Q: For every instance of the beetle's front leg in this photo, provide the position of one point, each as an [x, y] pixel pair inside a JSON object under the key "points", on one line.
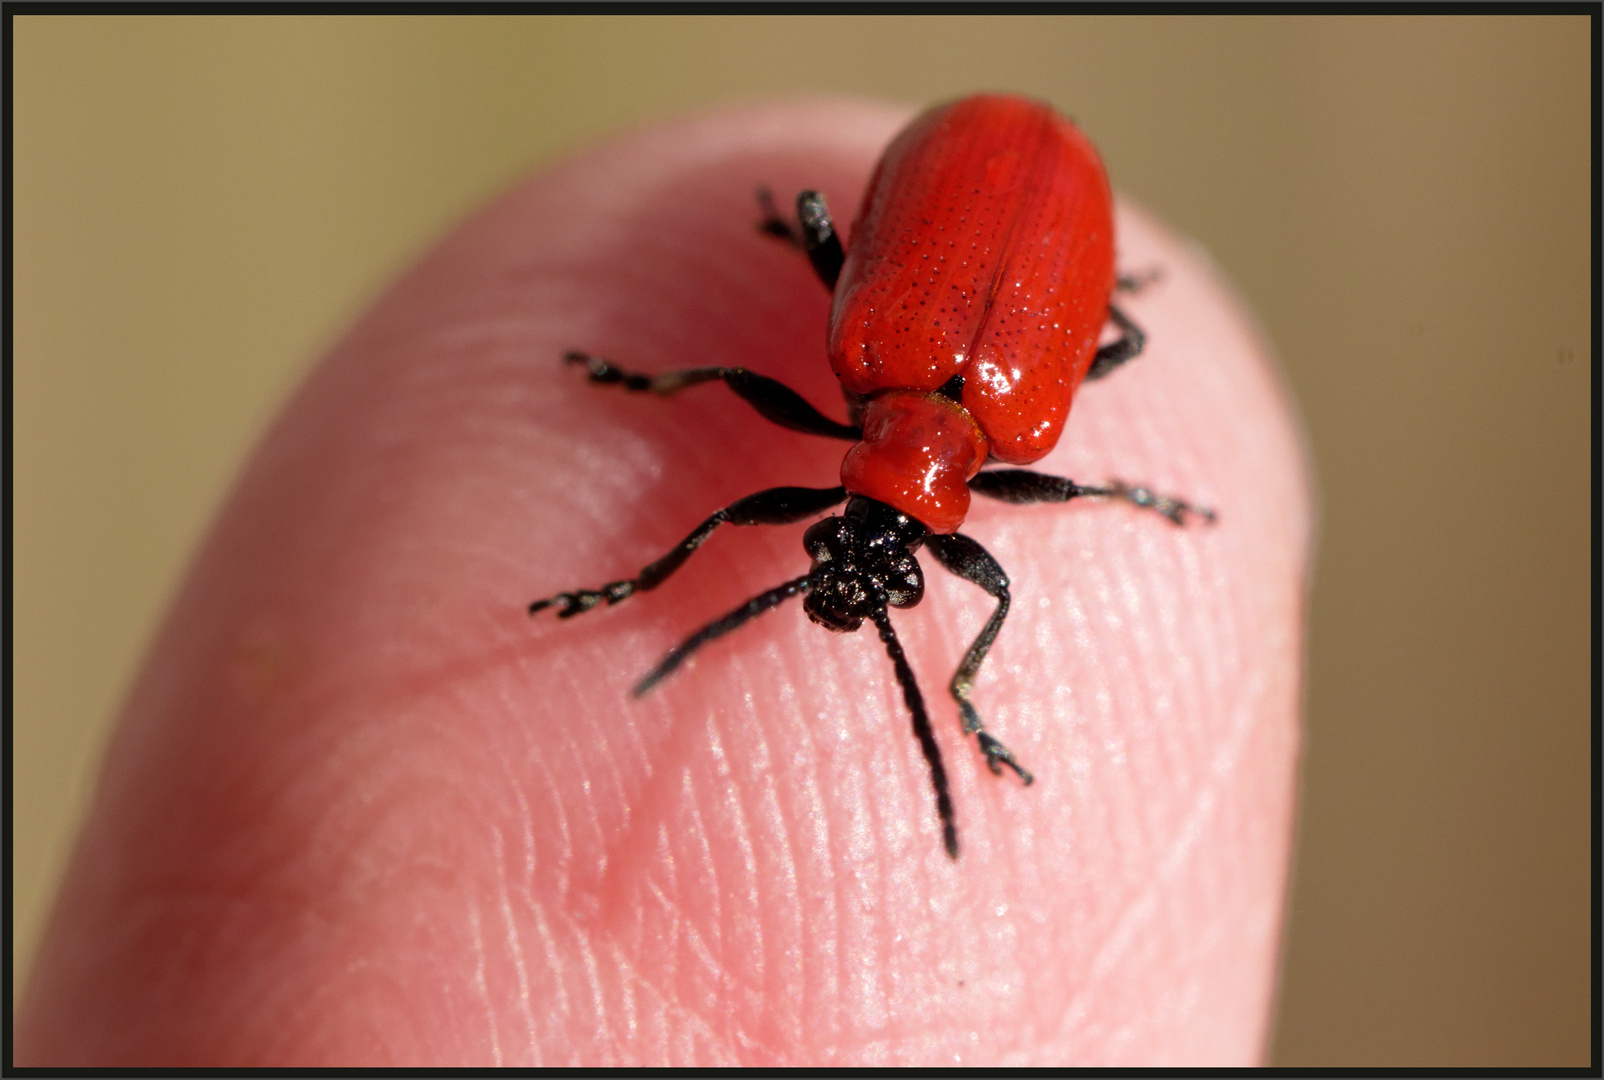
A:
{"points": [[775, 506], [967, 559]]}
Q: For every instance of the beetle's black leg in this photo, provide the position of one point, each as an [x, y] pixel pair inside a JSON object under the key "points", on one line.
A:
{"points": [[773, 222], [814, 233], [1123, 348], [773, 400], [821, 241], [1024, 486], [921, 729], [776, 506], [718, 628], [967, 559], [1131, 283]]}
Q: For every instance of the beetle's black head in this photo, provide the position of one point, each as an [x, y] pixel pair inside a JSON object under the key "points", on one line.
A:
{"points": [[862, 562]]}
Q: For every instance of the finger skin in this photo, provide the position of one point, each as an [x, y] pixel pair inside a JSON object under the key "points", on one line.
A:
{"points": [[361, 809]]}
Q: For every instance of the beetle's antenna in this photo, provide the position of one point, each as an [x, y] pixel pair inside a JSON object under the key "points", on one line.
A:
{"points": [[718, 628], [921, 728]]}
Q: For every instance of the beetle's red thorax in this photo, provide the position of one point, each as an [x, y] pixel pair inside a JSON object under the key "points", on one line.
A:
{"points": [[984, 248], [918, 453]]}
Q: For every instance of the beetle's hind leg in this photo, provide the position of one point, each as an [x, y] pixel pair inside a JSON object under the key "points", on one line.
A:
{"points": [[968, 560], [1135, 283], [775, 223], [1127, 346], [814, 232], [773, 400], [1131, 338]]}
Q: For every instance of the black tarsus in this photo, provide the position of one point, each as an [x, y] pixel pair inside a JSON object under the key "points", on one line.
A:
{"points": [[1125, 347], [718, 628], [773, 223], [774, 506], [814, 232], [1131, 283], [1022, 486], [921, 729], [773, 400], [965, 558]]}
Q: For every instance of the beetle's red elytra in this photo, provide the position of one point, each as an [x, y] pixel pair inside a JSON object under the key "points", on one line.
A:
{"points": [[968, 308], [984, 250]]}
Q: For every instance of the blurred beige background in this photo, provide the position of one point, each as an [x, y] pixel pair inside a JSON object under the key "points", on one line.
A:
{"points": [[202, 203]]}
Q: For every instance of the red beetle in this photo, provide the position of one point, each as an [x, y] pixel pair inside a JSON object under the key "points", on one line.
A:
{"points": [[968, 308]]}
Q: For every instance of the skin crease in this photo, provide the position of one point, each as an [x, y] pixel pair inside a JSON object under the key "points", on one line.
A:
{"points": [[360, 809]]}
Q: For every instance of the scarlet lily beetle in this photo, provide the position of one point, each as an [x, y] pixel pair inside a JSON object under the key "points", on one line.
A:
{"points": [[968, 307]]}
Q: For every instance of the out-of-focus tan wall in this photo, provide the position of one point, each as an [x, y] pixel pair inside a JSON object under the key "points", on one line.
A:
{"points": [[201, 203]]}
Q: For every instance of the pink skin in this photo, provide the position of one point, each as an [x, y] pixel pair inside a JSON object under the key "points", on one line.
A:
{"points": [[361, 809]]}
